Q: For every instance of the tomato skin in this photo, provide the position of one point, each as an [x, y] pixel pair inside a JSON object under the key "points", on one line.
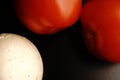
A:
{"points": [[47, 17], [101, 28]]}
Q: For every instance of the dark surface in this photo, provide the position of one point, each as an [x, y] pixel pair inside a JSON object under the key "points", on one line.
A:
{"points": [[64, 54]]}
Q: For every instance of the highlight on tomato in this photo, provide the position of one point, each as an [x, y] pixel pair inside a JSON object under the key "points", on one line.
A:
{"points": [[101, 28], [47, 16]]}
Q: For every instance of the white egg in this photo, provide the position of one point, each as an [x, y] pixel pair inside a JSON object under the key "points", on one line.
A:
{"points": [[19, 58]]}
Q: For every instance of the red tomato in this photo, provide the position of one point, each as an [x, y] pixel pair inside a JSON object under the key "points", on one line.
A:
{"points": [[101, 28], [48, 16]]}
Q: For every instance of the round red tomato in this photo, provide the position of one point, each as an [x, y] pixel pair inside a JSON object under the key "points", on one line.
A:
{"points": [[48, 16], [101, 28]]}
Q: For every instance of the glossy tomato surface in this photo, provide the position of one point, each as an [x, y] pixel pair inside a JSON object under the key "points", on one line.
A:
{"points": [[101, 28], [47, 17]]}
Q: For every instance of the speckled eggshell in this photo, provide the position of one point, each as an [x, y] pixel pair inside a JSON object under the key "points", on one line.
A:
{"points": [[19, 58]]}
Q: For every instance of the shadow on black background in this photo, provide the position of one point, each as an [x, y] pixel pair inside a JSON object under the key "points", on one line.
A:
{"points": [[64, 54]]}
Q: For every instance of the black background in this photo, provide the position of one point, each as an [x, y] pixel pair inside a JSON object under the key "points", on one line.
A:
{"points": [[64, 54]]}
